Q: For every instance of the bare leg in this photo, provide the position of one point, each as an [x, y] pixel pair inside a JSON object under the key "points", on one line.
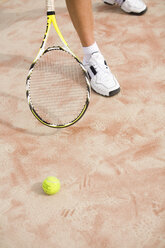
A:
{"points": [[82, 18], [101, 78]]}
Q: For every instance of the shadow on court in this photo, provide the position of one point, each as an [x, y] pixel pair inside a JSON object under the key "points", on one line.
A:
{"points": [[17, 117]]}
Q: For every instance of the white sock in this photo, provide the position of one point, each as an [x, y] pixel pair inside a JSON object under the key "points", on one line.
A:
{"points": [[88, 52]]}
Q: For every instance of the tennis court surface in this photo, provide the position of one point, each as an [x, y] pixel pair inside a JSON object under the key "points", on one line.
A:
{"points": [[111, 164]]}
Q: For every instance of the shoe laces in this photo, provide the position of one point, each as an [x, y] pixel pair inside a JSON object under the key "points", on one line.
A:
{"points": [[100, 64], [119, 2]]}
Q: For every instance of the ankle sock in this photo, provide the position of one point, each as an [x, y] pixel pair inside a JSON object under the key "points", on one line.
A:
{"points": [[88, 52]]}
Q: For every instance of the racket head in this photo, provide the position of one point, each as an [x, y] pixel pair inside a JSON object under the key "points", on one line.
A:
{"points": [[57, 88]]}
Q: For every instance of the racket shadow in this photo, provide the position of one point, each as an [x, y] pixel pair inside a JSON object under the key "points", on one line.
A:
{"points": [[12, 61], [16, 116], [13, 18]]}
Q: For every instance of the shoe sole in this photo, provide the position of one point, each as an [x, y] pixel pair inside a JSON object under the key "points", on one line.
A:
{"points": [[137, 14], [111, 93], [130, 13], [114, 92]]}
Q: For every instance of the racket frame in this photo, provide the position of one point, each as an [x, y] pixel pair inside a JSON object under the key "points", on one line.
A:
{"points": [[51, 19]]}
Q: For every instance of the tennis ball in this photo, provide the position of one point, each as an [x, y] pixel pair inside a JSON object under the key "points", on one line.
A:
{"points": [[51, 185]]}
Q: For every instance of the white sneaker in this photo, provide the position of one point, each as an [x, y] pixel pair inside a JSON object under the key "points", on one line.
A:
{"points": [[136, 7], [101, 79]]}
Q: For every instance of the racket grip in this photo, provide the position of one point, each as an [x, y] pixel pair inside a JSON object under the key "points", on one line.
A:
{"points": [[50, 5]]}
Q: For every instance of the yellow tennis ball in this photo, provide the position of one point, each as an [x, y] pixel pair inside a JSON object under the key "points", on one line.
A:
{"points": [[51, 185]]}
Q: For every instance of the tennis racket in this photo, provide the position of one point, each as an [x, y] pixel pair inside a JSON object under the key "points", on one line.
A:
{"points": [[57, 86]]}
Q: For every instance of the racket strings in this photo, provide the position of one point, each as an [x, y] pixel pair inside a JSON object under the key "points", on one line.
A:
{"points": [[58, 89]]}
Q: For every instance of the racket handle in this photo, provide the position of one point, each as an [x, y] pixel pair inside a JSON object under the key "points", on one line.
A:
{"points": [[50, 5]]}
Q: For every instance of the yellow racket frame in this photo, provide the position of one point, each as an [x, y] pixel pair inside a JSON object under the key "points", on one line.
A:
{"points": [[51, 19]]}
